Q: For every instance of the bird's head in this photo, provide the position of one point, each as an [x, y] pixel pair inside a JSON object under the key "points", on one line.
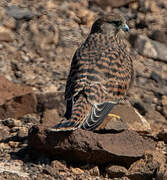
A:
{"points": [[110, 24]]}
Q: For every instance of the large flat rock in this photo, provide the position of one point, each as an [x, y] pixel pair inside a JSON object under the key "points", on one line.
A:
{"points": [[85, 146], [15, 100]]}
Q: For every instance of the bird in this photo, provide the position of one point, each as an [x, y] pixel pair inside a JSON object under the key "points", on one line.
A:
{"points": [[100, 76]]}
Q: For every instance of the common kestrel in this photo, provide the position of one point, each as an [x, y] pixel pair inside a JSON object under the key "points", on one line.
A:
{"points": [[100, 75]]}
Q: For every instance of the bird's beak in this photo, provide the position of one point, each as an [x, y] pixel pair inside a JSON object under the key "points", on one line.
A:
{"points": [[125, 27]]}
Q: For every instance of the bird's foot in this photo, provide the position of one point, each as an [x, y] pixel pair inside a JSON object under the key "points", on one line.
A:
{"points": [[114, 116]]}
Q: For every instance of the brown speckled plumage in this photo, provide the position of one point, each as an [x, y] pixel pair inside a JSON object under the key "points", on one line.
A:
{"points": [[100, 75]]}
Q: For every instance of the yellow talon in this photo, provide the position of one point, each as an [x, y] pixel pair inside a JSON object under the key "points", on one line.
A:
{"points": [[114, 115]]}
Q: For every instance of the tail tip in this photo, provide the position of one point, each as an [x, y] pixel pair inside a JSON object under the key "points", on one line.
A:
{"points": [[64, 126]]}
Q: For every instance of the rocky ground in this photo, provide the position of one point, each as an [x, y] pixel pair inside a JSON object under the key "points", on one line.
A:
{"points": [[37, 41]]}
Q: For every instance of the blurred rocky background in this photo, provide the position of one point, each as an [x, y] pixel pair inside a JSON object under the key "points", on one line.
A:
{"points": [[37, 41]]}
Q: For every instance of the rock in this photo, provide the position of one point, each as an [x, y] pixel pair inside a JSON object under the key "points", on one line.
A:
{"points": [[22, 133], [30, 119], [159, 36], [145, 168], [164, 100], [15, 168], [46, 38], [15, 100], [142, 24], [77, 171], [161, 175], [148, 47], [6, 34], [111, 3], [85, 146], [114, 171], [50, 171], [19, 13], [140, 107], [94, 171], [50, 117], [130, 119], [4, 146], [4, 132], [11, 122], [58, 165], [164, 106], [162, 135], [51, 5], [53, 103], [10, 23], [82, 16], [155, 117], [164, 111], [156, 77], [13, 144]]}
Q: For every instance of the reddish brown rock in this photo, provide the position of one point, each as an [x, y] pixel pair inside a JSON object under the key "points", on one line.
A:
{"points": [[146, 168], [114, 171], [15, 100], [86, 146]]}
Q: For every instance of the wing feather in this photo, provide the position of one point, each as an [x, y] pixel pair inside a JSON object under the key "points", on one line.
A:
{"points": [[97, 115]]}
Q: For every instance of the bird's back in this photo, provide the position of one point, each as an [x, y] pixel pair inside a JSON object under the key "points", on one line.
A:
{"points": [[101, 68]]}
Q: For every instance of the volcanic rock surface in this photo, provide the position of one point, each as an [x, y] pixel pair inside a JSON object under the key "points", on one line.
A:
{"points": [[37, 41]]}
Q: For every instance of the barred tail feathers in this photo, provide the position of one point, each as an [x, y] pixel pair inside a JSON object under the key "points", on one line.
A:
{"points": [[80, 111]]}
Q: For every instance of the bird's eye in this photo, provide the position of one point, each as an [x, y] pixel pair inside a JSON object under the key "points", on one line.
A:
{"points": [[117, 23]]}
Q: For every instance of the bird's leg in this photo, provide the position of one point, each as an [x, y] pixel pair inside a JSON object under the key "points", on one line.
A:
{"points": [[114, 116]]}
